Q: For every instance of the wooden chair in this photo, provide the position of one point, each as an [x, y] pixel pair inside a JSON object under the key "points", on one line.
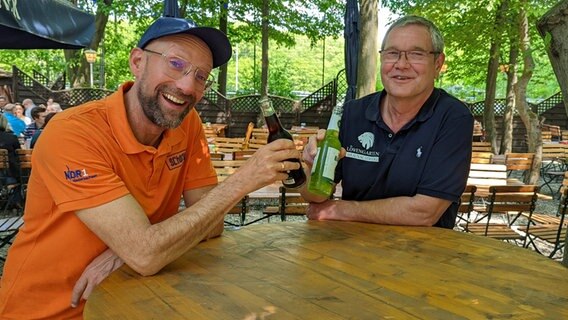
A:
{"points": [[551, 131], [290, 203], [564, 135], [484, 175], [25, 167], [519, 162], [466, 205], [9, 227], [503, 202], [228, 145], [481, 157], [553, 231], [553, 164], [478, 133], [239, 210], [481, 146], [225, 168]]}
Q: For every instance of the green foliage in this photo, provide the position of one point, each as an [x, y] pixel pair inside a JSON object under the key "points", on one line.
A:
{"points": [[468, 29]]}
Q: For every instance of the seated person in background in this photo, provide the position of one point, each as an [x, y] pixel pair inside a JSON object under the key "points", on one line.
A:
{"points": [[34, 138], [53, 107], [19, 113], [18, 126], [108, 176], [11, 143], [38, 118], [408, 147], [28, 106]]}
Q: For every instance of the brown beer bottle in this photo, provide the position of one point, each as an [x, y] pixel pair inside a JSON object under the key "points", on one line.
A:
{"points": [[296, 177]]}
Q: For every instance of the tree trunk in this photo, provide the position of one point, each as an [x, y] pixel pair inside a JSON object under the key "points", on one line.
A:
{"points": [[510, 68], [491, 81], [265, 29], [79, 73], [530, 119], [222, 81], [553, 27], [368, 48]]}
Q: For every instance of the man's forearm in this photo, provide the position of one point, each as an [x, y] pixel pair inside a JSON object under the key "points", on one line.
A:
{"points": [[419, 210]]}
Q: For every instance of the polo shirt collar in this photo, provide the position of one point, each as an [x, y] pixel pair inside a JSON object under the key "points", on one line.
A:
{"points": [[123, 132], [426, 111]]}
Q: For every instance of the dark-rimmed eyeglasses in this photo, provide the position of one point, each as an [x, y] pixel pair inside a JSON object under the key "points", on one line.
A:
{"points": [[412, 56], [177, 68]]}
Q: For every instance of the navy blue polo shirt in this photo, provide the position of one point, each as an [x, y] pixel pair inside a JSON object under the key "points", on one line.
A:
{"points": [[430, 155]]}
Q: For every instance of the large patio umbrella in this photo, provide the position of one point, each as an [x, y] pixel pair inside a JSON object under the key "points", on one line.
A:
{"points": [[351, 35], [44, 24]]}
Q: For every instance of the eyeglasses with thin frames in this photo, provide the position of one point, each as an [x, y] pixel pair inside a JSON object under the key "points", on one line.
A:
{"points": [[177, 68], [412, 56]]}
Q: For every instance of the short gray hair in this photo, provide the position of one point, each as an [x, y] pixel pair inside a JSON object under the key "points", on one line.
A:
{"points": [[435, 34]]}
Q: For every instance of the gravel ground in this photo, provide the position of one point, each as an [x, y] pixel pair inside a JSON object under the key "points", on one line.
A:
{"points": [[255, 211]]}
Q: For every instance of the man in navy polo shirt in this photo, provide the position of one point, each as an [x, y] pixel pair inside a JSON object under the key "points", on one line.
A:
{"points": [[408, 147]]}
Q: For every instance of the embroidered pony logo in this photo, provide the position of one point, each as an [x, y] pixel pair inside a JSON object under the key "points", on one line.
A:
{"points": [[367, 140]]}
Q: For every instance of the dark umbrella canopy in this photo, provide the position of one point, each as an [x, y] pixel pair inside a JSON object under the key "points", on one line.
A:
{"points": [[351, 47], [44, 24]]}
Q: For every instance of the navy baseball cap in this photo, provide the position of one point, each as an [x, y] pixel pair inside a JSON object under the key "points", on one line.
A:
{"points": [[215, 39]]}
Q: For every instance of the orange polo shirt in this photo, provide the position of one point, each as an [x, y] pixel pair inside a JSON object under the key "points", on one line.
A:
{"points": [[88, 156]]}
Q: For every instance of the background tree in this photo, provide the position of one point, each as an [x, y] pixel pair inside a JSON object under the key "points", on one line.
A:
{"points": [[368, 48], [553, 27]]}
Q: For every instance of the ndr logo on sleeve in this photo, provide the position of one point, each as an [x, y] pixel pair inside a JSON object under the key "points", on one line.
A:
{"points": [[77, 175]]}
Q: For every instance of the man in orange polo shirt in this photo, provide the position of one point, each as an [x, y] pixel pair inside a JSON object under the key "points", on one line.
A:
{"points": [[108, 176]]}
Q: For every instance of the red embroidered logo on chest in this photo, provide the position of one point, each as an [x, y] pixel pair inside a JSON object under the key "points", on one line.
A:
{"points": [[176, 160]]}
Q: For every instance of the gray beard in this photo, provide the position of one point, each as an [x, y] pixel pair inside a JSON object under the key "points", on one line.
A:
{"points": [[154, 112]]}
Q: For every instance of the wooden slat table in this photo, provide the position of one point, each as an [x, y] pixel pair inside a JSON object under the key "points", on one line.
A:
{"points": [[341, 270]]}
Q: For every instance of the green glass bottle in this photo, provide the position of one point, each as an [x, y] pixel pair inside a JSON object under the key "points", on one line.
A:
{"points": [[323, 169]]}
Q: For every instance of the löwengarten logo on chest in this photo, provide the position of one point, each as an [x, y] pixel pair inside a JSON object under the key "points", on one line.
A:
{"points": [[76, 175], [361, 151]]}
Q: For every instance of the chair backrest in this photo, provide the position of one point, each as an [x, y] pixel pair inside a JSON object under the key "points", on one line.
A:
{"points": [[519, 161], [487, 174], [477, 129], [291, 204], [240, 209], [4, 161], [564, 135], [481, 157], [553, 151], [225, 168], [228, 145], [467, 198], [550, 130], [481, 146], [512, 199]]}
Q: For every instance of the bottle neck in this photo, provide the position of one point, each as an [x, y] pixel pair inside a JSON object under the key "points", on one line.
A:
{"points": [[335, 118]]}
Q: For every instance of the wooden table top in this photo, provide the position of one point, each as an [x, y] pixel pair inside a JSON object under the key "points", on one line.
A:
{"points": [[341, 270]]}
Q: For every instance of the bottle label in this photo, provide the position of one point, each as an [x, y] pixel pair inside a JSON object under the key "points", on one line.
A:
{"points": [[330, 160], [330, 163]]}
